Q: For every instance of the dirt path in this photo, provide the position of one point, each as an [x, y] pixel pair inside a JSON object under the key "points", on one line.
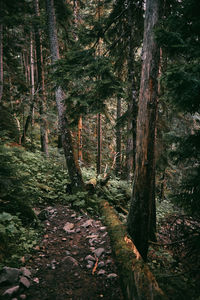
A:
{"points": [[73, 260]]}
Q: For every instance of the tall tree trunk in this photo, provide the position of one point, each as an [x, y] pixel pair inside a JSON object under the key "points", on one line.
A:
{"points": [[40, 85], [99, 142], [80, 141], [71, 161], [143, 196], [1, 61], [132, 107], [118, 139], [32, 100]]}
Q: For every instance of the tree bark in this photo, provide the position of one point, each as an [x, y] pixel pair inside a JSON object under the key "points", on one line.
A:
{"points": [[132, 106], [141, 216], [80, 140], [118, 139], [40, 85], [99, 142], [71, 161], [32, 100], [1, 61]]}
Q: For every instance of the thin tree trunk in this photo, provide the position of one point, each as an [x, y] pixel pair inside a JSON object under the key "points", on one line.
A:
{"points": [[132, 107], [143, 196], [71, 161], [80, 141], [32, 100], [1, 61], [118, 139], [41, 86], [99, 142]]}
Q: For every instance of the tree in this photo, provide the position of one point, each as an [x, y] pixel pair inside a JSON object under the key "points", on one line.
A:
{"points": [[40, 85], [141, 218], [71, 160], [179, 38], [1, 60]]}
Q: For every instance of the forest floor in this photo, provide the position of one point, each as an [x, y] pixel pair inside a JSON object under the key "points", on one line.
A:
{"points": [[73, 259]]}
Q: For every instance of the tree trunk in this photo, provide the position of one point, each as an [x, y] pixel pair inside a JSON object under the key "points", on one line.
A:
{"points": [[71, 161], [142, 210], [41, 86], [1, 61], [132, 107], [32, 100], [80, 141], [118, 139], [99, 141]]}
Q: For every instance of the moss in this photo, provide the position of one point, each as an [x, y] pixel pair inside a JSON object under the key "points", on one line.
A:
{"points": [[136, 279]]}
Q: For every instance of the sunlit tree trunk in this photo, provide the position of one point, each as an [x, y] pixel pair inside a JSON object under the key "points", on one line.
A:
{"points": [[142, 210], [72, 163], [118, 139], [1, 61], [41, 86]]}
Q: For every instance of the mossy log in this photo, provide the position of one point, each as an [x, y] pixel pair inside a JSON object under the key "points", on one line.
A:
{"points": [[138, 283]]}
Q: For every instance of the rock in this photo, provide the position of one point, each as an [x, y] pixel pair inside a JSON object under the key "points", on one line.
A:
{"points": [[101, 272], [36, 280], [109, 261], [71, 260], [22, 296], [9, 275], [98, 252], [26, 272], [90, 257], [25, 282], [104, 235], [11, 291], [103, 228], [112, 275], [68, 227], [93, 236], [87, 223], [101, 264]]}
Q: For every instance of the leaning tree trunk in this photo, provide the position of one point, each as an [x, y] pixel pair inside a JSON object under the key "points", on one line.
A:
{"points": [[71, 161], [1, 61], [40, 85], [142, 208]]}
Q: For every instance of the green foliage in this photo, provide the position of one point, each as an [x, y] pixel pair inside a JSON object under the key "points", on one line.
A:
{"points": [[16, 239], [178, 36]]}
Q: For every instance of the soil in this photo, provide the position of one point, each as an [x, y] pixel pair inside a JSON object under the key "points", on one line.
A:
{"points": [[60, 266]]}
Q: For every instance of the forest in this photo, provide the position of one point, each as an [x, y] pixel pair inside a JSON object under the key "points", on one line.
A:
{"points": [[99, 149]]}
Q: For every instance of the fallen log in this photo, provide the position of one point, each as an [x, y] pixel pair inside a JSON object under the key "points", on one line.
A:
{"points": [[137, 281]]}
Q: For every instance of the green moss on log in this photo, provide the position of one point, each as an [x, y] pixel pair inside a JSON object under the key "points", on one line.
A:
{"points": [[138, 283]]}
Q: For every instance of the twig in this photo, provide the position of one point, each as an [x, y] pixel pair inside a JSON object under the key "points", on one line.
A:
{"points": [[95, 266]]}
